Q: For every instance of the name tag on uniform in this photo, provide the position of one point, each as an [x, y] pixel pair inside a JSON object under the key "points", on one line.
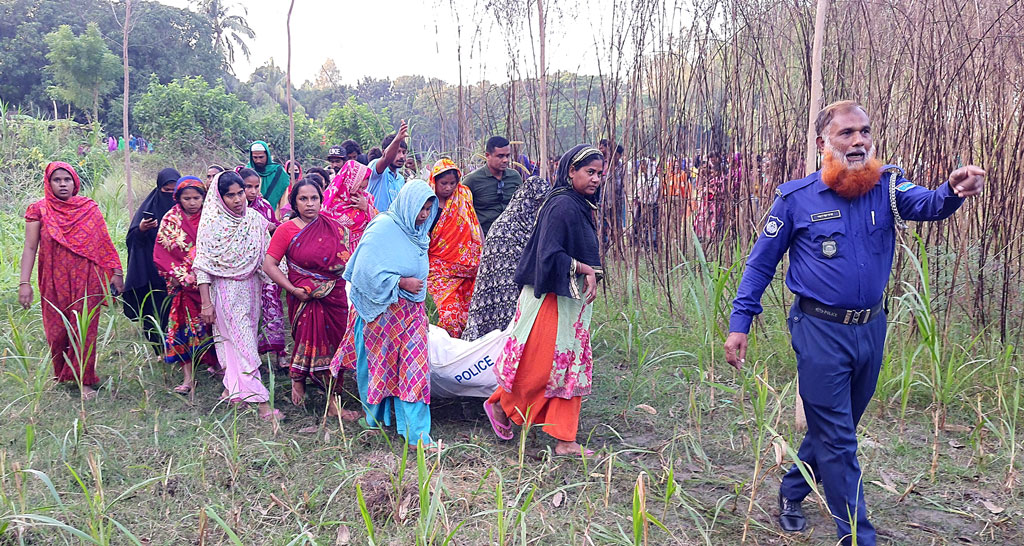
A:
{"points": [[830, 215]]}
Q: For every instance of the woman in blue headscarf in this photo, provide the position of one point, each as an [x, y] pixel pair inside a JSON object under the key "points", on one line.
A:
{"points": [[386, 341]]}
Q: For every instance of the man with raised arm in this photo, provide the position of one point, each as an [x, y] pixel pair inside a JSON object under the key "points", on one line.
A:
{"points": [[385, 176]]}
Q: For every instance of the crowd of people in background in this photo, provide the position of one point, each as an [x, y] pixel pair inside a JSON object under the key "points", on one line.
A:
{"points": [[366, 250], [137, 144]]}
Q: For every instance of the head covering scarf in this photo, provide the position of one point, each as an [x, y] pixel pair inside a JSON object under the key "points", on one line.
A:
{"points": [[229, 245], [141, 275], [275, 178], [457, 237], [175, 242], [76, 224], [393, 247], [495, 293], [338, 206], [565, 233]]}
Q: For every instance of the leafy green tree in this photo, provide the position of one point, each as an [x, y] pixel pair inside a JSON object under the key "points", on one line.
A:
{"points": [[82, 67], [189, 115], [167, 41], [357, 121], [229, 30]]}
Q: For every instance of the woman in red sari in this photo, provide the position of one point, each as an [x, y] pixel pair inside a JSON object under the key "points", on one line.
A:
{"points": [[187, 337], [317, 306], [455, 244], [347, 201], [77, 261]]}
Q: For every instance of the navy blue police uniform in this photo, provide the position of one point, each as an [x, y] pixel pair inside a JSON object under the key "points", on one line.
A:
{"points": [[840, 260]]}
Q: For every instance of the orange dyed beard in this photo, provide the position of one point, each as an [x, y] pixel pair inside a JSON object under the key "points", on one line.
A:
{"points": [[850, 183]]}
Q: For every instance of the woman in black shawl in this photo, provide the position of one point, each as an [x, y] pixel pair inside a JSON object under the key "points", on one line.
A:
{"points": [[546, 366], [144, 288]]}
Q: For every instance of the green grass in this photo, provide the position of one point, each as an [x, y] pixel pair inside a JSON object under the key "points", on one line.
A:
{"points": [[688, 448]]}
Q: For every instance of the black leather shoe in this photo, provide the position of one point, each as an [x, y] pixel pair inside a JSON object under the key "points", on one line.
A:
{"points": [[791, 516]]}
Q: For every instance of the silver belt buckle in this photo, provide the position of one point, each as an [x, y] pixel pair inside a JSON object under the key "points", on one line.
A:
{"points": [[856, 316]]}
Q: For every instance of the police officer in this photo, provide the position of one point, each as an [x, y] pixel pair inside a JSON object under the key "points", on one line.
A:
{"points": [[838, 225]]}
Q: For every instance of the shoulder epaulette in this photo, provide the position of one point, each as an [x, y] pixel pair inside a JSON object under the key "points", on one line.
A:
{"points": [[894, 168], [789, 187]]}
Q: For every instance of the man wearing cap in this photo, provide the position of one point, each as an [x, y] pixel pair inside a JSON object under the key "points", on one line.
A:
{"points": [[838, 225], [336, 157], [274, 178]]}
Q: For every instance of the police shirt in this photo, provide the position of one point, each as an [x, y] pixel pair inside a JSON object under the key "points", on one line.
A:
{"points": [[840, 251]]}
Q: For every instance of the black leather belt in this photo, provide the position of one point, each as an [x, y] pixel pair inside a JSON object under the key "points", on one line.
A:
{"points": [[817, 309]]}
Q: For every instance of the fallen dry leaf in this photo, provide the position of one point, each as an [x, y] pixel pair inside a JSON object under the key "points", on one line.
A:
{"points": [[648, 409], [557, 498], [955, 444], [992, 507], [344, 536], [886, 486]]}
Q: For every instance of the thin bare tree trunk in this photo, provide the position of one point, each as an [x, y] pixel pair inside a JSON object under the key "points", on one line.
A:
{"points": [[543, 94], [129, 194], [288, 91], [810, 163], [810, 159]]}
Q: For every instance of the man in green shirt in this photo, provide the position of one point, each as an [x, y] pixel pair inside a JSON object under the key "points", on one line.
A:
{"points": [[493, 184]]}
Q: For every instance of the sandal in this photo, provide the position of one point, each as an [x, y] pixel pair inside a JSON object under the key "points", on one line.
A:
{"points": [[503, 432], [183, 389]]}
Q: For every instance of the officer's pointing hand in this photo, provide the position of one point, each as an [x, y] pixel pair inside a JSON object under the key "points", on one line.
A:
{"points": [[736, 349], [967, 181]]}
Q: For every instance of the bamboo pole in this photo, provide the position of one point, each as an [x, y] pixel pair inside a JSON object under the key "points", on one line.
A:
{"points": [[543, 95], [129, 194], [810, 159], [814, 105], [288, 90]]}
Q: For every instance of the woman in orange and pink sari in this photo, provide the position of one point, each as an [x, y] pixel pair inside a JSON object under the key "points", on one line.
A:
{"points": [[455, 244]]}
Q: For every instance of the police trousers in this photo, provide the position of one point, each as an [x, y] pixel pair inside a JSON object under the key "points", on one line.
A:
{"points": [[838, 368]]}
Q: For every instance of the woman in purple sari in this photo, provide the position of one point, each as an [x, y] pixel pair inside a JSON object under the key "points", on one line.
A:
{"points": [[317, 250]]}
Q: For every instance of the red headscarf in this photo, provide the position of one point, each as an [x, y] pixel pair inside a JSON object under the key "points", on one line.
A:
{"points": [[76, 224], [175, 247], [338, 206], [457, 237]]}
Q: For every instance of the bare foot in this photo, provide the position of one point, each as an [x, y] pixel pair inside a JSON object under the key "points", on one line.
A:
{"points": [[88, 393], [224, 395], [268, 414], [282, 363], [298, 392], [571, 448], [349, 415]]}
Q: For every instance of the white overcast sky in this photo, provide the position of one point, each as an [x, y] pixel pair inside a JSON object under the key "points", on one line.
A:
{"points": [[390, 38]]}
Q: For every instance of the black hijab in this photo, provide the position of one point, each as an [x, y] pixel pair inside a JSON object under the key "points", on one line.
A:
{"points": [[565, 232], [141, 275]]}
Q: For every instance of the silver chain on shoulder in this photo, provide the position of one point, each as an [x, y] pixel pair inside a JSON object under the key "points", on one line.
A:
{"points": [[893, 176]]}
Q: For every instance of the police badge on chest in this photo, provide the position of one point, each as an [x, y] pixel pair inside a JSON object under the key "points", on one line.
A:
{"points": [[829, 248]]}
